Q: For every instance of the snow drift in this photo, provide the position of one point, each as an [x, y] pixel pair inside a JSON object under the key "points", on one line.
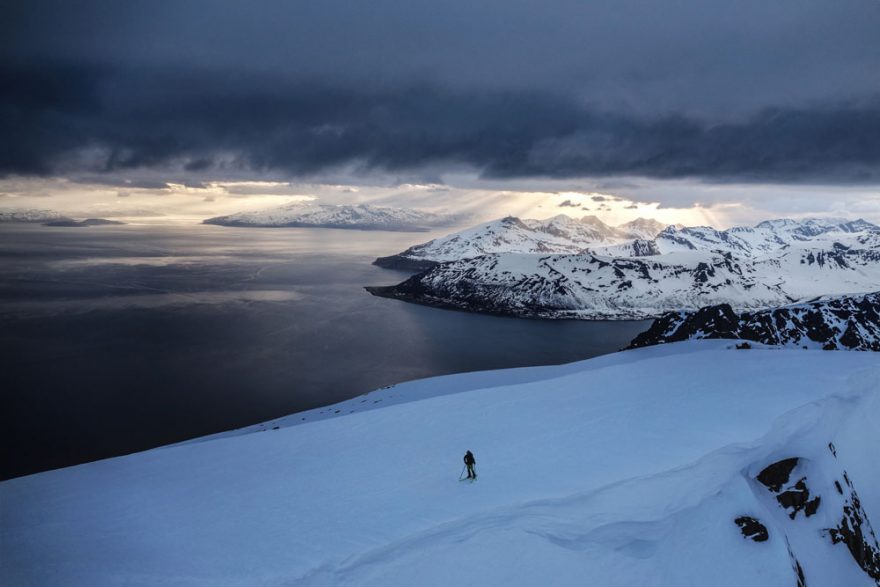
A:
{"points": [[683, 464]]}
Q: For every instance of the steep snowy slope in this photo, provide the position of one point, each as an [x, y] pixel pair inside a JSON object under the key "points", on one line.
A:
{"points": [[559, 234], [683, 269], [641, 237], [358, 216], [845, 322], [683, 464], [587, 286]]}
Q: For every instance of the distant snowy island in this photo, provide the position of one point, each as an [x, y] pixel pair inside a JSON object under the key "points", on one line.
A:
{"points": [[690, 463], [49, 218], [31, 216], [583, 269], [84, 222], [355, 216]]}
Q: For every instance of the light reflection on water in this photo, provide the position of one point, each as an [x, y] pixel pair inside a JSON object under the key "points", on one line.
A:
{"points": [[116, 339]]}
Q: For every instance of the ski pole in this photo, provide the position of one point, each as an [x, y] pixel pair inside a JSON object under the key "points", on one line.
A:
{"points": [[462, 473]]}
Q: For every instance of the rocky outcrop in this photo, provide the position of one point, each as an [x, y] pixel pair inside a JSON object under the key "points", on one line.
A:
{"points": [[752, 529], [405, 263], [840, 323], [803, 499], [794, 497]]}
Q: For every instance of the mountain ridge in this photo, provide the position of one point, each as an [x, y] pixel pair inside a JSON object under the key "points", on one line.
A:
{"points": [[682, 269], [557, 234], [831, 323]]}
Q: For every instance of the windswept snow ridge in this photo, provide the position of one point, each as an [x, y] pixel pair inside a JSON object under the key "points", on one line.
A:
{"points": [[684, 464], [357, 216], [560, 234], [845, 322], [772, 264], [772, 236]]}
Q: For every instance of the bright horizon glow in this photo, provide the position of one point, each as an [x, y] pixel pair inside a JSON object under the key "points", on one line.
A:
{"points": [[690, 204]]}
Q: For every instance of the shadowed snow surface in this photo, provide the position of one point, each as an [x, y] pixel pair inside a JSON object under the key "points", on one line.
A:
{"points": [[627, 469]]}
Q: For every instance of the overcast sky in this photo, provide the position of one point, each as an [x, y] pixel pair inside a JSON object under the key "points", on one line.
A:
{"points": [[747, 108]]}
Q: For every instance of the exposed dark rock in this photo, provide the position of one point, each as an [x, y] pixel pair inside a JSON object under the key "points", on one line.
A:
{"points": [[846, 322], [752, 528], [796, 567], [644, 248], [404, 263], [854, 530], [776, 475], [801, 579], [796, 498]]}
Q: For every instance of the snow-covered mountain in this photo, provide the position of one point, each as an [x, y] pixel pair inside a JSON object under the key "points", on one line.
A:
{"points": [[843, 322], [682, 464], [356, 216], [771, 236], [682, 269], [559, 234], [641, 228], [30, 215]]}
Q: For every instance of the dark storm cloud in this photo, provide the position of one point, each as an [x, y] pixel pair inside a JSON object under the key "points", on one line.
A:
{"points": [[781, 91]]}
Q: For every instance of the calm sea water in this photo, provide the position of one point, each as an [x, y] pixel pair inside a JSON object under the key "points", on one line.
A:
{"points": [[117, 339]]}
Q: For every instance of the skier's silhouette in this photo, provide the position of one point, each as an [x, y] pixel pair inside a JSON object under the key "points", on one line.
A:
{"points": [[470, 461]]}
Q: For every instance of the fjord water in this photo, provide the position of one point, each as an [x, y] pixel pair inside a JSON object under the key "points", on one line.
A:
{"points": [[115, 339]]}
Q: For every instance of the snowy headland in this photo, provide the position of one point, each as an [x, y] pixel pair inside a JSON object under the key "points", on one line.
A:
{"points": [[690, 463], [552, 270]]}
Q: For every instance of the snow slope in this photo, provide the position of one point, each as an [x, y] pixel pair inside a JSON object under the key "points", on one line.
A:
{"points": [[628, 469], [358, 216], [559, 234], [683, 269]]}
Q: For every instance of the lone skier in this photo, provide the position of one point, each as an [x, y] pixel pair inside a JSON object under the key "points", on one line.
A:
{"points": [[470, 461]]}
